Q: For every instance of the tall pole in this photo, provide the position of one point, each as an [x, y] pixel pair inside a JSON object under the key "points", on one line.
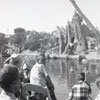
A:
{"points": [[85, 71]]}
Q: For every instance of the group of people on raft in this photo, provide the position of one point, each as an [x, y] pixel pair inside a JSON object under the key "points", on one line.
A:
{"points": [[13, 76], [15, 73]]}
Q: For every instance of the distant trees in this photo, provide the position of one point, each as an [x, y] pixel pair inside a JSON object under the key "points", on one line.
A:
{"points": [[32, 40], [3, 41], [38, 41], [74, 32]]}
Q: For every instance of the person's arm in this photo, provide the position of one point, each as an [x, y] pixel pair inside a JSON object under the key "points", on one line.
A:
{"points": [[47, 78], [89, 90], [70, 96]]}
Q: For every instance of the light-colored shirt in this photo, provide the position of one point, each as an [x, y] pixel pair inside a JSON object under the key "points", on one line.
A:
{"points": [[7, 96], [38, 75]]}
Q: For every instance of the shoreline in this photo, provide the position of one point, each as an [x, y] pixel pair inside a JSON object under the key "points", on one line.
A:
{"points": [[91, 56]]}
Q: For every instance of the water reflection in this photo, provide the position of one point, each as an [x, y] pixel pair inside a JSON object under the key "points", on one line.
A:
{"points": [[64, 75]]}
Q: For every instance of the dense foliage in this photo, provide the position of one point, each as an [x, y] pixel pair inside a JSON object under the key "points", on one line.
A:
{"points": [[3, 43]]}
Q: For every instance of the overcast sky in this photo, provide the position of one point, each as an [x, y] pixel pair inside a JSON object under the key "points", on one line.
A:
{"points": [[44, 15]]}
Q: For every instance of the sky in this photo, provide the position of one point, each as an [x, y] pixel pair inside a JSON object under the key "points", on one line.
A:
{"points": [[44, 15]]}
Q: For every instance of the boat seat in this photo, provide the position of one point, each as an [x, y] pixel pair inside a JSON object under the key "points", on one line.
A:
{"points": [[35, 88]]}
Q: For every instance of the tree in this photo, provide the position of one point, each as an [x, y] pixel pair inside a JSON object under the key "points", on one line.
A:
{"points": [[18, 38], [39, 41], [3, 41], [60, 34], [32, 40]]}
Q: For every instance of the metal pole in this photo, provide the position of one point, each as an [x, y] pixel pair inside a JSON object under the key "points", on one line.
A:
{"points": [[85, 71]]}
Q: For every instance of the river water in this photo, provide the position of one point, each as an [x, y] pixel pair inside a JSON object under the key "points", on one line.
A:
{"points": [[64, 72]]}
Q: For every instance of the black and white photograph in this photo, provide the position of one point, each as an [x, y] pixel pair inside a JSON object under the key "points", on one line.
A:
{"points": [[49, 50]]}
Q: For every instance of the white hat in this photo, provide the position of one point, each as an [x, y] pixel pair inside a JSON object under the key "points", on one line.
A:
{"points": [[15, 57]]}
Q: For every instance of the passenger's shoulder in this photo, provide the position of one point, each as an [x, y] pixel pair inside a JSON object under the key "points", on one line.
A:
{"points": [[75, 85]]}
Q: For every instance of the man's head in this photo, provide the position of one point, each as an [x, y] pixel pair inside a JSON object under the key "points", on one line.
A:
{"points": [[41, 58], [81, 76], [9, 78]]}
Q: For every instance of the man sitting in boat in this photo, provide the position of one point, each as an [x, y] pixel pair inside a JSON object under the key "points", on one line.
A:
{"points": [[38, 74], [81, 90]]}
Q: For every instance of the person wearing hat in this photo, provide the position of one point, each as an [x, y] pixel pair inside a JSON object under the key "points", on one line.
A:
{"points": [[14, 59], [9, 82], [81, 90]]}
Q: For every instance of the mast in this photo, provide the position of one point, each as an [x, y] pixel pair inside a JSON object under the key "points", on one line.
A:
{"points": [[86, 19]]}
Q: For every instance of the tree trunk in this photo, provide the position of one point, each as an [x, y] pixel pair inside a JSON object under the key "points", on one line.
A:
{"points": [[60, 43], [69, 38]]}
